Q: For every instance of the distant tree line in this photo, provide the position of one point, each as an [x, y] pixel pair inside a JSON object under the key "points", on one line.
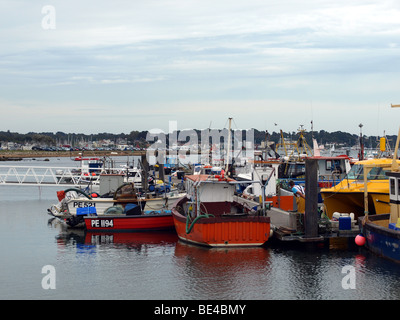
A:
{"points": [[139, 137]]}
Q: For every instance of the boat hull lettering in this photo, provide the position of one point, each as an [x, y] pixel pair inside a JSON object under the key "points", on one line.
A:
{"points": [[149, 222], [81, 204], [102, 223]]}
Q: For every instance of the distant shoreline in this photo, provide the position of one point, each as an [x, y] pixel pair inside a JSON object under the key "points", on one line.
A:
{"points": [[10, 155]]}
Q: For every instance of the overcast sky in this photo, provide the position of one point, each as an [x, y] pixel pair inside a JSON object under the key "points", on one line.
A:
{"points": [[117, 66]]}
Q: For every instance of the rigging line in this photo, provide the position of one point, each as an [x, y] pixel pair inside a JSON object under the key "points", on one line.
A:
{"points": [[235, 123], [226, 123]]}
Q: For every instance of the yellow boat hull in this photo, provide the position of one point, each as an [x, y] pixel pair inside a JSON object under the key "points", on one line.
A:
{"points": [[348, 195], [347, 202]]}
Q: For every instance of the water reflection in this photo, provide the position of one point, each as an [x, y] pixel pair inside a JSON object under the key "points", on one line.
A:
{"points": [[158, 266], [312, 270], [220, 273], [80, 238], [166, 268]]}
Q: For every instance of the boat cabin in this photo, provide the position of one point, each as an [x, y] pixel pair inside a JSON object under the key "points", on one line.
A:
{"points": [[210, 194], [379, 170], [91, 166], [331, 170], [267, 174], [205, 188], [209, 215], [394, 195], [134, 175]]}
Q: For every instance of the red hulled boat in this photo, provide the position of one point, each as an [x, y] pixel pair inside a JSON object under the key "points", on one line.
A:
{"points": [[209, 216], [128, 223]]}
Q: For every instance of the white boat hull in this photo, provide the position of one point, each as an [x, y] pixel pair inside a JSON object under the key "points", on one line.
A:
{"points": [[162, 203], [102, 204]]}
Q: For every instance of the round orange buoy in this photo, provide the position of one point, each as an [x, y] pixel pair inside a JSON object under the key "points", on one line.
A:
{"points": [[360, 240]]}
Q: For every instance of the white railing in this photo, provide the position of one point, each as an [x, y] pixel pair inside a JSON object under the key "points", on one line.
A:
{"points": [[45, 176]]}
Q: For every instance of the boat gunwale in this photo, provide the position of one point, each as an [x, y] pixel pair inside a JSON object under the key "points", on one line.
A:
{"points": [[351, 192], [369, 225], [124, 216], [220, 218]]}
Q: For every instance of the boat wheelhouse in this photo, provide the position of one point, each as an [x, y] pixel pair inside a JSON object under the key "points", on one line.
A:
{"points": [[348, 195]]}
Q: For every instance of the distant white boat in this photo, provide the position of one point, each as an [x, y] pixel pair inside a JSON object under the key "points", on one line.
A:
{"points": [[316, 148]]}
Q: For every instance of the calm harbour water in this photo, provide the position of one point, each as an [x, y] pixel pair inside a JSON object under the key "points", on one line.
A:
{"points": [[158, 266]]}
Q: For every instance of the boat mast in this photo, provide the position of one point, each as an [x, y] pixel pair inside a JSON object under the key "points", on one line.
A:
{"points": [[361, 154], [228, 153], [302, 142], [283, 143]]}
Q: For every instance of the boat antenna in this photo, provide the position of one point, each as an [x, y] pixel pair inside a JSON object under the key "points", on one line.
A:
{"points": [[395, 165], [312, 130]]}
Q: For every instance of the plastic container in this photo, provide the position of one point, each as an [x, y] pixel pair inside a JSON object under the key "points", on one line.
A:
{"points": [[86, 211], [393, 226], [344, 223]]}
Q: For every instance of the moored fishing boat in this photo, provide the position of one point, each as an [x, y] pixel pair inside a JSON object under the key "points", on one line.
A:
{"points": [[74, 203], [73, 200], [209, 216], [292, 167], [331, 170], [381, 237], [71, 204], [140, 221], [88, 171], [348, 195], [263, 178], [381, 233]]}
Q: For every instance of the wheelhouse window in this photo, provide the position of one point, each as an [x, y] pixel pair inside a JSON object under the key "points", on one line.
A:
{"points": [[377, 174], [398, 188], [333, 165], [328, 166], [392, 186], [357, 173]]}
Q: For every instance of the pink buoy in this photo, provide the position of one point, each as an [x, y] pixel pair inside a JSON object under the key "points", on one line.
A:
{"points": [[359, 240]]}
